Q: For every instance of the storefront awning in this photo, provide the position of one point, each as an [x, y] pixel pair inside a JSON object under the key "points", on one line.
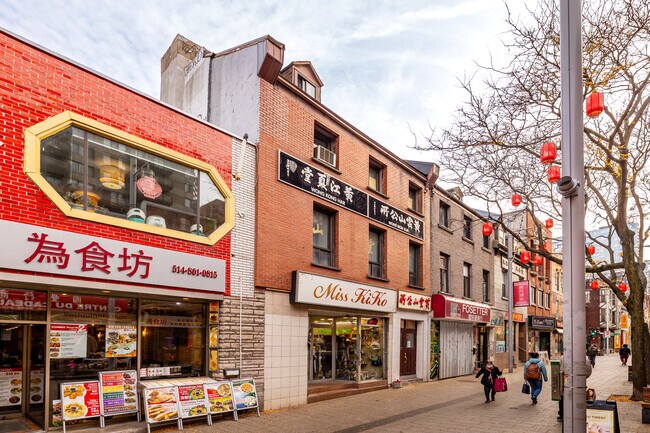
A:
{"points": [[447, 307]]}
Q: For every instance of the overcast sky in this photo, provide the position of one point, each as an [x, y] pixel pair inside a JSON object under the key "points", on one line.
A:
{"points": [[386, 65]]}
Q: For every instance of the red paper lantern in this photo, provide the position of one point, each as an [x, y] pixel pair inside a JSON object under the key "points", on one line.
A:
{"points": [[594, 285], [516, 199], [595, 104], [524, 257], [553, 173], [487, 229], [548, 153], [549, 223], [591, 250], [537, 260], [622, 287]]}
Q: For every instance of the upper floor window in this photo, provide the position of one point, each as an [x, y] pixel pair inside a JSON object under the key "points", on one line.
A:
{"points": [[540, 299], [323, 235], [415, 198], [376, 253], [485, 286], [444, 273], [533, 295], [548, 299], [415, 264], [467, 280], [376, 176], [325, 146], [306, 86], [443, 217], [467, 227], [504, 284], [129, 183]]}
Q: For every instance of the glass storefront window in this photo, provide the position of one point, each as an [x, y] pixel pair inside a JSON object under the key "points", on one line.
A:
{"points": [[320, 348], [173, 335], [372, 348], [346, 348], [99, 175], [22, 305]]}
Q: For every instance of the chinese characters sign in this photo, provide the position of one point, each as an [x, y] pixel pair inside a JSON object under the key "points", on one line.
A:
{"points": [[321, 290], [521, 293], [314, 181], [412, 301], [41, 249], [456, 309]]}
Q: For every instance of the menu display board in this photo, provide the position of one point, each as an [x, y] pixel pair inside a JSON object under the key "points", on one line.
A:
{"points": [[80, 400], [220, 397], [68, 340], [11, 386], [192, 400], [160, 404], [244, 394], [121, 341], [36, 385], [118, 391]]}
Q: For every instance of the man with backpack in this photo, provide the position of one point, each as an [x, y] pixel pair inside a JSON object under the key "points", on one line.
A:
{"points": [[534, 371]]}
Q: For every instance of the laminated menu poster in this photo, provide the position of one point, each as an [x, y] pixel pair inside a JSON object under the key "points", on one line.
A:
{"points": [[68, 340], [80, 400], [121, 341], [161, 404], [192, 400], [11, 386], [244, 393], [36, 385], [118, 391], [220, 397]]}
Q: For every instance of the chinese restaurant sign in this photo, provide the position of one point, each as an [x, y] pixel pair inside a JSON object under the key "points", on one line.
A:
{"points": [[314, 181], [413, 301], [457, 309], [321, 290], [521, 293], [41, 249]]}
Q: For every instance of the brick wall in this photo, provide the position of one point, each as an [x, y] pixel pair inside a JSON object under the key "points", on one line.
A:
{"points": [[35, 85], [285, 214]]}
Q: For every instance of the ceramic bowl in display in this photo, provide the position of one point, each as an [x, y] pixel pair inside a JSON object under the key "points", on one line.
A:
{"points": [[136, 215], [156, 221]]}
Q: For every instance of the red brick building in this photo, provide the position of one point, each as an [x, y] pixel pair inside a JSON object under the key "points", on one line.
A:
{"points": [[115, 214], [341, 245]]}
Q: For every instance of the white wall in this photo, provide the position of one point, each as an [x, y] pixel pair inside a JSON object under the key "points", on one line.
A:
{"points": [[423, 343]]}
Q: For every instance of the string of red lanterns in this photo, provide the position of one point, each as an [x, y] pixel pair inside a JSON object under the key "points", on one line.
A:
{"points": [[516, 199], [595, 104], [487, 229], [548, 153], [622, 287], [553, 173], [524, 257], [593, 285], [549, 223], [537, 260], [591, 250]]}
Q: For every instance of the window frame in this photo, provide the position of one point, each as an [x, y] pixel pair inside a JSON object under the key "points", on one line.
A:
{"points": [[331, 220], [415, 275], [504, 277], [381, 253], [467, 227], [55, 124], [444, 211], [300, 80], [444, 271], [415, 202], [467, 280], [380, 168], [485, 285]]}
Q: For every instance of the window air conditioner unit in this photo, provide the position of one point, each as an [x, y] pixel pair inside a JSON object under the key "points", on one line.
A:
{"points": [[325, 155]]}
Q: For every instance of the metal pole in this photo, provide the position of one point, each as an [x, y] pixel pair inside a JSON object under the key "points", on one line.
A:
{"points": [[510, 240], [573, 226], [608, 313]]}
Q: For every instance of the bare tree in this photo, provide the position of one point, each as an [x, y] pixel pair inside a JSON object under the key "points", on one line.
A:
{"points": [[492, 147]]}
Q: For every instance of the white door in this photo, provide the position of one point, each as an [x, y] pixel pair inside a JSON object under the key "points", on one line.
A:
{"points": [[455, 349]]}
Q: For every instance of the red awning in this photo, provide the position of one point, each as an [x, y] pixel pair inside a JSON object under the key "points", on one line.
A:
{"points": [[447, 307]]}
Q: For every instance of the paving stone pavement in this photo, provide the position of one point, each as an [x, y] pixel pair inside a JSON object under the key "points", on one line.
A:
{"points": [[451, 405]]}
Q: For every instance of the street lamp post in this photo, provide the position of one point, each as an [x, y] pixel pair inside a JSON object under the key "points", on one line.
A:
{"points": [[509, 286]]}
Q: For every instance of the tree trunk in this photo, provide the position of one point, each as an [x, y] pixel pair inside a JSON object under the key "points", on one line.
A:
{"points": [[638, 340]]}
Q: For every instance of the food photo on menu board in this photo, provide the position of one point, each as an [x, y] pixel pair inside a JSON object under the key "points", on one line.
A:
{"points": [[36, 385], [192, 400], [68, 340], [161, 404], [244, 393], [80, 400], [11, 386], [121, 341], [118, 389], [220, 397]]}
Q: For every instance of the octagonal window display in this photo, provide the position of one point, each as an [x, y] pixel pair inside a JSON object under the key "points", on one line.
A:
{"points": [[98, 173]]}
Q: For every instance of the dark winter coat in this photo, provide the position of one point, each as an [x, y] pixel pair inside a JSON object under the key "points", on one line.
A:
{"points": [[625, 351], [485, 380]]}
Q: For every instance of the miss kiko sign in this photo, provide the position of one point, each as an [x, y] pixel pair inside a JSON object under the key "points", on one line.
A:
{"points": [[320, 290]]}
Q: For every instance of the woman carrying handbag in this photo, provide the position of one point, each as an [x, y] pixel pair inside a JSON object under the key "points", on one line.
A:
{"points": [[490, 373]]}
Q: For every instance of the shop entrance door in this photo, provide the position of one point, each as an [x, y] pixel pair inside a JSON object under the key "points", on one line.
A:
{"points": [[22, 376], [408, 348], [482, 346]]}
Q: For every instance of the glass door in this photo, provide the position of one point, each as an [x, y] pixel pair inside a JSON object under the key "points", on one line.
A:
{"points": [[34, 375], [321, 361], [11, 369]]}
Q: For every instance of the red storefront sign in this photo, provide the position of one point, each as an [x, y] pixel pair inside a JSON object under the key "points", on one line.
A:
{"points": [[521, 293], [62, 301], [457, 309]]}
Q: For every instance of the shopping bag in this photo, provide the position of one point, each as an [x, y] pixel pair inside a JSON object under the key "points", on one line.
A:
{"points": [[525, 388], [500, 384]]}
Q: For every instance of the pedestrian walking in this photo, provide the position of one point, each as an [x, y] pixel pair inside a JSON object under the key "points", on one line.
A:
{"points": [[490, 372], [560, 411], [592, 351], [624, 353], [534, 372]]}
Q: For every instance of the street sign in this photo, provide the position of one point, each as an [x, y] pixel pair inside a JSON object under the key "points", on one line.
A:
{"points": [[607, 333]]}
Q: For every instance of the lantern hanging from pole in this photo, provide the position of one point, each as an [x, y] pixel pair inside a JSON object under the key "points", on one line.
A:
{"points": [[594, 285], [548, 153], [549, 223], [516, 199], [524, 257], [622, 287], [537, 260], [595, 104], [591, 250], [487, 229], [553, 173]]}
